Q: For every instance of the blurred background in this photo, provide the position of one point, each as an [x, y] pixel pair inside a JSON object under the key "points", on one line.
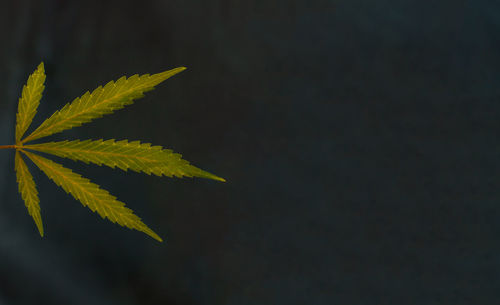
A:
{"points": [[358, 138]]}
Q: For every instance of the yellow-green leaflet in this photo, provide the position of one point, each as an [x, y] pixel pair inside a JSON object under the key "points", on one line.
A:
{"points": [[102, 101], [29, 101], [28, 191], [90, 195], [139, 157]]}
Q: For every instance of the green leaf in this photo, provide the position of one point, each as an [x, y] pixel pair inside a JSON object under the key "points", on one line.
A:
{"points": [[91, 195], [29, 101], [103, 100], [139, 157], [28, 191], [136, 156]]}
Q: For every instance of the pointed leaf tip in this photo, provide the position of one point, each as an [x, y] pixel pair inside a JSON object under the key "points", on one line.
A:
{"points": [[169, 73], [40, 228], [207, 175], [158, 238], [152, 234]]}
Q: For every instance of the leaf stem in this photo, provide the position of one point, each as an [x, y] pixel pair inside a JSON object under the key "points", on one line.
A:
{"points": [[8, 146]]}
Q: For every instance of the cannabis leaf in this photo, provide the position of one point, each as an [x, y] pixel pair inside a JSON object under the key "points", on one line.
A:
{"points": [[136, 156]]}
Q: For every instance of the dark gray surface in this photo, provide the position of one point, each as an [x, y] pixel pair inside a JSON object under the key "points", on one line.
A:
{"points": [[358, 139]]}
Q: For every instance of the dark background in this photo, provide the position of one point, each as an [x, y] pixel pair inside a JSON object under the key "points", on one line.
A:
{"points": [[358, 138]]}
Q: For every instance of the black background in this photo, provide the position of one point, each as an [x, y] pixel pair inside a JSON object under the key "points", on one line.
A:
{"points": [[358, 138]]}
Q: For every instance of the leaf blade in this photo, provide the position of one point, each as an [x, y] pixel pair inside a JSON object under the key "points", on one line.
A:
{"points": [[136, 156], [91, 195], [29, 101], [28, 191], [103, 100]]}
